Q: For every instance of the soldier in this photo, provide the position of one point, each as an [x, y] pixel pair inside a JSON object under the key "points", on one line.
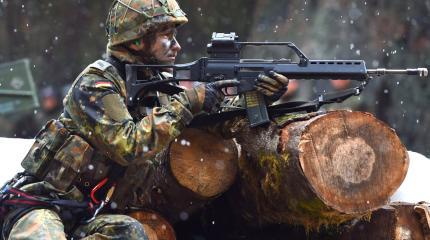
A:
{"points": [[72, 169]]}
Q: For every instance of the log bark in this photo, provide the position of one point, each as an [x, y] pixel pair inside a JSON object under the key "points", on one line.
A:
{"points": [[197, 167], [317, 169], [397, 222]]}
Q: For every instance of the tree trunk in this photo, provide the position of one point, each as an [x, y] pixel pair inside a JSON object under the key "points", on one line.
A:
{"points": [[317, 169]]}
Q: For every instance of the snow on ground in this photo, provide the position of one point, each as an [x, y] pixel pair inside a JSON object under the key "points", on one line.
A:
{"points": [[12, 151], [415, 187]]}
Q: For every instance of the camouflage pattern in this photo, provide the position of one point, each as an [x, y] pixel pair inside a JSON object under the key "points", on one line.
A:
{"points": [[110, 226], [68, 161], [132, 19], [46, 224], [38, 224], [56, 156], [47, 142]]}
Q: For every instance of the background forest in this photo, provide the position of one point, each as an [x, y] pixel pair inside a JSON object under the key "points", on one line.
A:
{"points": [[60, 38]]}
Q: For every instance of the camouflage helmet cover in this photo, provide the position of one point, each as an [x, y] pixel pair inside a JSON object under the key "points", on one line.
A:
{"points": [[131, 19]]}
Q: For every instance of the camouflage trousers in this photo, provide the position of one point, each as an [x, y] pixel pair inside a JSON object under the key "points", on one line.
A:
{"points": [[46, 224]]}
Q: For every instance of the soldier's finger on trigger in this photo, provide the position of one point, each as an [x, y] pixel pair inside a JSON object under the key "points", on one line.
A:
{"points": [[227, 83], [268, 80]]}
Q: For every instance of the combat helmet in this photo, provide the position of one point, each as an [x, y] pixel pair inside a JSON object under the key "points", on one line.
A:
{"points": [[131, 19]]}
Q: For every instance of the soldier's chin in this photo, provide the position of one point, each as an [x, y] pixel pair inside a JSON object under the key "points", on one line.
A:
{"points": [[168, 62]]}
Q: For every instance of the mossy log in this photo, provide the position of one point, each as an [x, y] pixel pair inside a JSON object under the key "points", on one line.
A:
{"points": [[194, 169], [317, 169]]}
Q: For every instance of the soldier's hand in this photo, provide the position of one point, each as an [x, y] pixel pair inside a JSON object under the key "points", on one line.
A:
{"points": [[208, 97], [273, 85]]}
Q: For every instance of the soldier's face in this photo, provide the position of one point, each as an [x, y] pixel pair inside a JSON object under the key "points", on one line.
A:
{"points": [[165, 47]]}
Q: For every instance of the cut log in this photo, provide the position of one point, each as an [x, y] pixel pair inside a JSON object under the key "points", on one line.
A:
{"points": [[317, 169], [203, 162], [156, 227], [398, 221], [197, 167]]}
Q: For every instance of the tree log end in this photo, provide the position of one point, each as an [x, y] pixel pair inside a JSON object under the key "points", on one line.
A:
{"points": [[204, 162], [156, 227], [353, 161]]}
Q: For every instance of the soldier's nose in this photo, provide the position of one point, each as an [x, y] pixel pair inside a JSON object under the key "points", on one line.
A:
{"points": [[175, 45]]}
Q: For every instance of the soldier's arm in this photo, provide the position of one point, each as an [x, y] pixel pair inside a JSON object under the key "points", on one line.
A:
{"points": [[98, 107]]}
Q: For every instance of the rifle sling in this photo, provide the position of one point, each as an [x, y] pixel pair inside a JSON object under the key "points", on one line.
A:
{"points": [[283, 108]]}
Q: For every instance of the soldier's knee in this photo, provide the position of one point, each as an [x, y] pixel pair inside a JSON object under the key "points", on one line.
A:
{"points": [[131, 223], [38, 224]]}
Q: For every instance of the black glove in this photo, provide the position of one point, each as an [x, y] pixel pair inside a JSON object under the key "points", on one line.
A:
{"points": [[208, 97], [272, 86]]}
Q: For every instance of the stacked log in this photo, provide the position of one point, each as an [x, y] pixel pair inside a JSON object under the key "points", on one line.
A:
{"points": [[317, 169], [197, 167], [304, 169], [156, 227]]}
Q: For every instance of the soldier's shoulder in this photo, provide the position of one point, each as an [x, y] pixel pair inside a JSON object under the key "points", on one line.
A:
{"points": [[100, 65], [102, 69], [100, 74]]}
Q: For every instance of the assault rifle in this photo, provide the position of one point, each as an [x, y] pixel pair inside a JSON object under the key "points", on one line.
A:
{"points": [[224, 62]]}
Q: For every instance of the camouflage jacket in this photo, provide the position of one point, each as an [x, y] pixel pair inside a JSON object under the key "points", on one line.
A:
{"points": [[95, 109]]}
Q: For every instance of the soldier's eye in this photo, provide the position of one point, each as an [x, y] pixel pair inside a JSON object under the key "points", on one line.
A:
{"points": [[170, 34]]}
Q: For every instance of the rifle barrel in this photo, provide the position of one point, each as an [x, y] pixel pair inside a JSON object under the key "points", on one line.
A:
{"points": [[422, 72]]}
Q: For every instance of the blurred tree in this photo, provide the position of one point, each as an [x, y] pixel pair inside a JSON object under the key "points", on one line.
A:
{"points": [[206, 17]]}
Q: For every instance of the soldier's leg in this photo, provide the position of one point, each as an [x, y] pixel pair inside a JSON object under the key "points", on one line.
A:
{"points": [[112, 226], [38, 224]]}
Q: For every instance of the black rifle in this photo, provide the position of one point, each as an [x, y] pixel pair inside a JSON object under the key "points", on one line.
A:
{"points": [[224, 62]]}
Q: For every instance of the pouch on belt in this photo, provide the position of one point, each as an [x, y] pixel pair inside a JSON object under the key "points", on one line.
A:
{"points": [[57, 156]]}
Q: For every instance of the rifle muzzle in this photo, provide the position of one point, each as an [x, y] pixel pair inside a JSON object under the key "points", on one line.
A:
{"points": [[422, 72]]}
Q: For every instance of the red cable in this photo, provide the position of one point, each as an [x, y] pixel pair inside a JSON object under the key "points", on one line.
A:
{"points": [[21, 193], [96, 188]]}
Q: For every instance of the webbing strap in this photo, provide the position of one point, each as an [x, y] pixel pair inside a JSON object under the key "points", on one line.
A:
{"points": [[19, 197]]}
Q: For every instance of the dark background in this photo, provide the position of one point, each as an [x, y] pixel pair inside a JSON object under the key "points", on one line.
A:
{"points": [[62, 37]]}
